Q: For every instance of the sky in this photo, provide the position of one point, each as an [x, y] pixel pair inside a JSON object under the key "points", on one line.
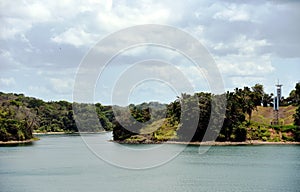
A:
{"points": [[43, 43]]}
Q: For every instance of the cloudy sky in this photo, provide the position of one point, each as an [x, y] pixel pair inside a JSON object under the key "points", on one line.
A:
{"points": [[42, 43]]}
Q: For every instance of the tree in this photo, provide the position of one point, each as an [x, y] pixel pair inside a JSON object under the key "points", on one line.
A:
{"points": [[297, 114], [193, 111], [257, 94], [267, 100], [294, 98], [174, 110], [240, 134], [234, 115], [246, 100], [16, 122]]}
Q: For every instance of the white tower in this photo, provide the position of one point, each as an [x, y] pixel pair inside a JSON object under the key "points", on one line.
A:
{"points": [[277, 98]]}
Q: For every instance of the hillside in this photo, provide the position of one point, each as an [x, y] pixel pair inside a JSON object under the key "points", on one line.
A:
{"points": [[260, 128], [265, 115]]}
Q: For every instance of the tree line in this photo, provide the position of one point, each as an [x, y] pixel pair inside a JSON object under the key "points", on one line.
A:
{"points": [[20, 116], [236, 124], [188, 118]]}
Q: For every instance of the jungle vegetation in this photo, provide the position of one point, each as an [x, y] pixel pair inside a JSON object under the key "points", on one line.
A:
{"points": [[188, 118]]}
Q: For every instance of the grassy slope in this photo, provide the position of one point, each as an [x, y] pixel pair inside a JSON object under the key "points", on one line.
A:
{"points": [[260, 128], [264, 115], [158, 131]]}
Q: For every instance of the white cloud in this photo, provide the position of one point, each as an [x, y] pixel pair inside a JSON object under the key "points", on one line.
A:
{"points": [[242, 57], [7, 81], [7, 61], [242, 65], [12, 26], [35, 11], [76, 36], [197, 76], [243, 45], [246, 81], [61, 85], [20, 18], [102, 20], [233, 13], [245, 38], [38, 90], [125, 16]]}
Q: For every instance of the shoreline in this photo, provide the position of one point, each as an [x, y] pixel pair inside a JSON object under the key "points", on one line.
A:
{"points": [[62, 133], [213, 143], [18, 142], [50, 133], [13, 142], [206, 143], [229, 143]]}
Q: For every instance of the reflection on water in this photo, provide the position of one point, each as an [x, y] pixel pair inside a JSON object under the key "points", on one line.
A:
{"points": [[17, 144]]}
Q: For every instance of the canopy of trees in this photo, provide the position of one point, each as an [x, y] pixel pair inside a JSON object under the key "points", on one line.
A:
{"points": [[186, 119], [20, 116], [237, 125]]}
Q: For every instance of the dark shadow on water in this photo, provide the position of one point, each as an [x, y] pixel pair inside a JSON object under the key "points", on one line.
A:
{"points": [[18, 144]]}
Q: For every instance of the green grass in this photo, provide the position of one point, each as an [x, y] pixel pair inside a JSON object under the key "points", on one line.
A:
{"points": [[265, 115], [274, 133], [160, 130], [152, 127], [284, 128]]}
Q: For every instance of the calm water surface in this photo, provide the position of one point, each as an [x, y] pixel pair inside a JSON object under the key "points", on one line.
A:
{"points": [[64, 163]]}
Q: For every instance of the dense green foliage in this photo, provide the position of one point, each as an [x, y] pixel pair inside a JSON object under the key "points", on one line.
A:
{"points": [[16, 123], [16, 120], [240, 104], [20, 116], [296, 98], [189, 118]]}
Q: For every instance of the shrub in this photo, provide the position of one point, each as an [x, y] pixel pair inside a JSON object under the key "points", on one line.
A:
{"points": [[297, 134], [240, 134], [266, 134], [276, 139], [287, 138], [221, 137]]}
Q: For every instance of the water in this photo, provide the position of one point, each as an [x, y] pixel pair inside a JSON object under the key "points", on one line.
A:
{"points": [[64, 163]]}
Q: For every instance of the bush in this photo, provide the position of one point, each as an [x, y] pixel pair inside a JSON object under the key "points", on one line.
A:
{"points": [[264, 130], [240, 134], [288, 128], [297, 134], [287, 138], [21, 135], [266, 134], [276, 139], [221, 137]]}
